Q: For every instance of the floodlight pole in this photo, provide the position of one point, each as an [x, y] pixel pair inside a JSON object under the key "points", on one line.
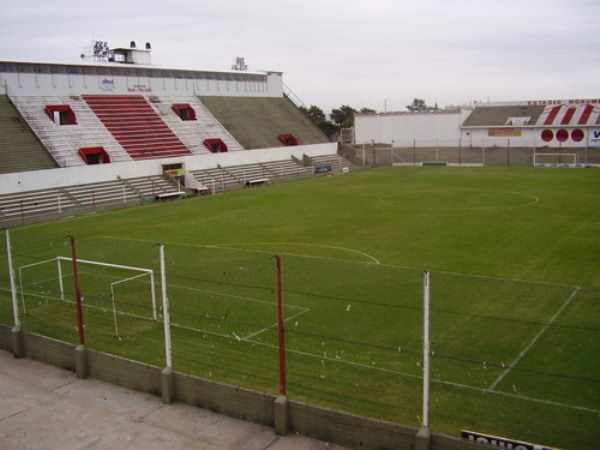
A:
{"points": [[280, 328], [77, 293], [11, 275]]}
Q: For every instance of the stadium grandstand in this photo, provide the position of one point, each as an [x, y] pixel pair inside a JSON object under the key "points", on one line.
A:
{"points": [[113, 130], [535, 132]]}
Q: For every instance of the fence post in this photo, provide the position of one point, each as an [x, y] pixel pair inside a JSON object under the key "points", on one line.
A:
{"points": [[17, 335], [414, 152], [281, 412], [77, 293], [423, 439], [80, 353], [167, 377]]}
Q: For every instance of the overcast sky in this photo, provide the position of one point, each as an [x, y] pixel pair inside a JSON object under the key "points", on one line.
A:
{"points": [[379, 54]]}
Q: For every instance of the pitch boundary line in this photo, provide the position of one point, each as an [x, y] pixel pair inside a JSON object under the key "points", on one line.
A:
{"points": [[302, 309], [346, 249], [232, 248], [375, 260], [435, 380], [492, 387], [370, 367]]}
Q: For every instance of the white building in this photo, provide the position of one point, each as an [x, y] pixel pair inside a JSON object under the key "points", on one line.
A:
{"points": [[573, 123]]}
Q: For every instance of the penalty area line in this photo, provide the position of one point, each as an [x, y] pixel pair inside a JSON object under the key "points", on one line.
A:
{"points": [[271, 327], [512, 365]]}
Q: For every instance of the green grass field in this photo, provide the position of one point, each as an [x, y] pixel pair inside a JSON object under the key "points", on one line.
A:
{"points": [[514, 256]]}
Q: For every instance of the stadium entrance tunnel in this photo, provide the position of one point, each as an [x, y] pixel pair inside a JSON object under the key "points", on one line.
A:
{"points": [[184, 111], [287, 139], [61, 114], [215, 145], [94, 155]]}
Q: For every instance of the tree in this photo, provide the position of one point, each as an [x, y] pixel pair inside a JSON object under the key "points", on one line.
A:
{"points": [[343, 116], [418, 104], [317, 115], [367, 111]]}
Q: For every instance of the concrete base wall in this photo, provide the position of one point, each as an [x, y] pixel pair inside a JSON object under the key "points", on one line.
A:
{"points": [[328, 425]]}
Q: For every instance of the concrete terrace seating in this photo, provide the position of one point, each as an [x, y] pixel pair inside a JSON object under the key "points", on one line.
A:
{"points": [[53, 203], [66, 201], [217, 179], [136, 126], [237, 177], [287, 170], [64, 141], [257, 121], [193, 132], [336, 162], [248, 172], [21, 207], [150, 187], [20, 150], [105, 193], [498, 115]]}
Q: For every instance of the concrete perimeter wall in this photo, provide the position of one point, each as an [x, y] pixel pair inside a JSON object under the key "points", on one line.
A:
{"points": [[337, 427], [70, 176]]}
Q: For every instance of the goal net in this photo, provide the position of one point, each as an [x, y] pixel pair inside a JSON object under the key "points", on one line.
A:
{"points": [[118, 289], [555, 159]]}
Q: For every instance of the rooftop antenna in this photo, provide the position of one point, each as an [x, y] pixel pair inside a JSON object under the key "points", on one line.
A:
{"points": [[97, 51], [240, 64]]}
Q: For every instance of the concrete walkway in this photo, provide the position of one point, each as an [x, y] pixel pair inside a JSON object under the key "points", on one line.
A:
{"points": [[43, 407]]}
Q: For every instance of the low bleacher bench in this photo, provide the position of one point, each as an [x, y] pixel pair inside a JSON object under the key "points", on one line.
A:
{"points": [[169, 196], [257, 182], [434, 163]]}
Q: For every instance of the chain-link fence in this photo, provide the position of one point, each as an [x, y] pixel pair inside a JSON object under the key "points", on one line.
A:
{"points": [[454, 153], [353, 326]]}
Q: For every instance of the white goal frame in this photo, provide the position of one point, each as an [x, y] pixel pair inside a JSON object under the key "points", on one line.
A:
{"points": [[58, 260], [536, 163]]}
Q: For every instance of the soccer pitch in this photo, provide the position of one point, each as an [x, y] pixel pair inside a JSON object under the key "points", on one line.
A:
{"points": [[513, 255]]}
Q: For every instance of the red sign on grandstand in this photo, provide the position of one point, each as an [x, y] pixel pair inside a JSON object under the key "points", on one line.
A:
{"points": [[579, 101], [139, 88]]}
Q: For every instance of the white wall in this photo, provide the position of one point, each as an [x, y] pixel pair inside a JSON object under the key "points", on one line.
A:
{"points": [[404, 128], [53, 178], [445, 129], [239, 84]]}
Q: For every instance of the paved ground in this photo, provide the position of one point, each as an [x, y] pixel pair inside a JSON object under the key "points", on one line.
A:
{"points": [[43, 407]]}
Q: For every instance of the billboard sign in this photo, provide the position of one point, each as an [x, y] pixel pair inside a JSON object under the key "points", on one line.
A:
{"points": [[505, 132], [501, 442], [595, 138]]}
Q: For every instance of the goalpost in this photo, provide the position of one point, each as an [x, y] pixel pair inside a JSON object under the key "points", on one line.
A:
{"points": [[141, 272], [556, 159]]}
